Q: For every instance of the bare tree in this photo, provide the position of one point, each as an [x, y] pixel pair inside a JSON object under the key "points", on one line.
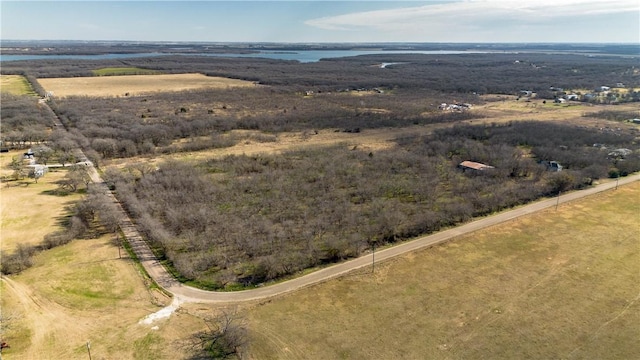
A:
{"points": [[43, 154], [224, 337], [76, 176], [65, 157], [19, 171], [6, 323]]}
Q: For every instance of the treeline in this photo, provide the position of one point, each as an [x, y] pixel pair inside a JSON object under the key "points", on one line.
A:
{"points": [[616, 115], [146, 124], [24, 121], [244, 220], [463, 73]]}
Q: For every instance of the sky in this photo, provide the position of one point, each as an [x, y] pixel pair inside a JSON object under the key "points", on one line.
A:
{"points": [[317, 21]]}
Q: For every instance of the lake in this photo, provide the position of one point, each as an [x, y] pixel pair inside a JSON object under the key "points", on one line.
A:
{"points": [[300, 55]]}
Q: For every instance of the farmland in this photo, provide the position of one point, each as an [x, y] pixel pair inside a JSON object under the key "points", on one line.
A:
{"points": [[16, 85], [119, 71], [110, 86]]}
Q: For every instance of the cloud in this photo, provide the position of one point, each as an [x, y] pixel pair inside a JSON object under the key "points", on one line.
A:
{"points": [[485, 16]]}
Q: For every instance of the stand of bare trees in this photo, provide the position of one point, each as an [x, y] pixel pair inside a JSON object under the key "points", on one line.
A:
{"points": [[244, 220]]}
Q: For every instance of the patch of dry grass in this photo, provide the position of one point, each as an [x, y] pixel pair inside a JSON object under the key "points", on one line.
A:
{"points": [[559, 284], [29, 211], [108, 86], [83, 292], [16, 85]]}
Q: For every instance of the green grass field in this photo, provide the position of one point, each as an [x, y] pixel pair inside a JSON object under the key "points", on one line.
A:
{"points": [[16, 85], [559, 284], [124, 71]]}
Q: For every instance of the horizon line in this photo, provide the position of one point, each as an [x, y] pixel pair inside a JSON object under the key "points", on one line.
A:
{"points": [[323, 42]]}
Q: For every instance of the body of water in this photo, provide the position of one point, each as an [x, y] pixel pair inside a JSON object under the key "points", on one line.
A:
{"points": [[301, 55]]}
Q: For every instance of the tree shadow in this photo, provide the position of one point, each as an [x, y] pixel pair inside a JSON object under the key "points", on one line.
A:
{"points": [[16, 183], [62, 193], [55, 192]]}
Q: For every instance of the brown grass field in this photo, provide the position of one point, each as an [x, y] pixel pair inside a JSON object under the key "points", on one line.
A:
{"points": [[108, 86], [559, 284], [28, 210]]}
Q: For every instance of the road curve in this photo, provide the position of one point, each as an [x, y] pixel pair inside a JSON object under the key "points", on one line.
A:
{"points": [[190, 294]]}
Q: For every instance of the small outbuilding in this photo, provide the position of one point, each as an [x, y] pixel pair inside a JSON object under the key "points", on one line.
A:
{"points": [[472, 165], [29, 154]]}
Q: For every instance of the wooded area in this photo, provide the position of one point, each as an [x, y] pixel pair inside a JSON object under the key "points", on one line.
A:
{"points": [[129, 126], [464, 73], [240, 221], [244, 220]]}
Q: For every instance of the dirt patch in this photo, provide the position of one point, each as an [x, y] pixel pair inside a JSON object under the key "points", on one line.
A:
{"points": [[367, 140], [107, 86]]}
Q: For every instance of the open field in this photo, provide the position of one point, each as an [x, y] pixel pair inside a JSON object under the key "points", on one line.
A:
{"points": [[113, 71], [16, 85], [506, 108], [83, 292], [29, 211], [557, 284], [107, 86]]}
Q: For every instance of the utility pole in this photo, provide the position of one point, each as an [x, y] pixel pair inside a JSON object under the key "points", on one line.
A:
{"points": [[119, 242], [89, 349], [558, 201], [373, 258]]}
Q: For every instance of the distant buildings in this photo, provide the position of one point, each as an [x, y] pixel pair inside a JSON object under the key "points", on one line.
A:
{"points": [[454, 107]]}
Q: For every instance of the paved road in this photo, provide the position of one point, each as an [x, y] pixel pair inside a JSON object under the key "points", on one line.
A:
{"points": [[190, 294]]}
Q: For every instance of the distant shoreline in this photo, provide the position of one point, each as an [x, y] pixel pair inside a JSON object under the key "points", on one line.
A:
{"points": [[43, 47]]}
